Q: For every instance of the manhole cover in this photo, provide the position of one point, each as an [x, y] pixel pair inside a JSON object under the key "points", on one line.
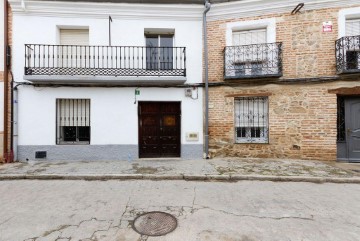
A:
{"points": [[154, 223]]}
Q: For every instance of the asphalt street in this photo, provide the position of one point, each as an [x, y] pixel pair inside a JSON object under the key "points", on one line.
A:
{"points": [[39, 210]]}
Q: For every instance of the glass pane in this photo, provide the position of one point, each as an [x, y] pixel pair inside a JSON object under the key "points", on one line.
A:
{"points": [[152, 54], [84, 133], [166, 52], [152, 42], [166, 41]]}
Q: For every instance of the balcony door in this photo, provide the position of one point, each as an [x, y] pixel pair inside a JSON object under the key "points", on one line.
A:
{"points": [[159, 52], [73, 50], [353, 44], [250, 58]]}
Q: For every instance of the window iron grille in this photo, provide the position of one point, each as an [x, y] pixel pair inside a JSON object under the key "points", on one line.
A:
{"points": [[341, 135], [347, 51], [253, 61], [73, 121], [41, 59], [251, 120]]}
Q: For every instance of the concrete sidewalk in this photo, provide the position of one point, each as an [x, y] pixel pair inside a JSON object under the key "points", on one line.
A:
{"points": [[221, 169]]}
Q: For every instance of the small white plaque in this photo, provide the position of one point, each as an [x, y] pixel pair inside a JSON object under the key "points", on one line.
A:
{"points": [[192, 136]]}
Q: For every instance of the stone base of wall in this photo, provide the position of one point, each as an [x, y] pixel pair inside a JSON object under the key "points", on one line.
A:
{"points": [[302, 121], [95, 152]]}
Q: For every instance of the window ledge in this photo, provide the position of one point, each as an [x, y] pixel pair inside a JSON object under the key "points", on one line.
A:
{"points": [[72, 143]]}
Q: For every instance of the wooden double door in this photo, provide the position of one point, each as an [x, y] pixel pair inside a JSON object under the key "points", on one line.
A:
{"points": [[159, 129]]}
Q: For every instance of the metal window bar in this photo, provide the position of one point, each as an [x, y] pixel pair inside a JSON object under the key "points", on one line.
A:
{"points": [[72, 121], [347, 52], [251, 120], [253, 61], [341, 135], [72, 60]]}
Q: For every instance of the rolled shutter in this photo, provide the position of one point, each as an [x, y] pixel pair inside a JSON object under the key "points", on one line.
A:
{"points": [[73, 112], [352, 27], [74, 52], [257, 36], [74, 36]]}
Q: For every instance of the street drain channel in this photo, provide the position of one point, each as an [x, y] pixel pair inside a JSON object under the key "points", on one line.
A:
{"points": [[154, 223]]}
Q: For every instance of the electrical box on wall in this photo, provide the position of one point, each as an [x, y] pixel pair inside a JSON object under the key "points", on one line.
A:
{"points": [[192, 136], [188, 92]]}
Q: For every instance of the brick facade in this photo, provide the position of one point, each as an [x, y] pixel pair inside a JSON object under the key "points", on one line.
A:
{"points": [[8, 117], [302, 115]]}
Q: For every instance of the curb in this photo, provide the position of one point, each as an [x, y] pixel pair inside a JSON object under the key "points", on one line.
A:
{"points": [[186, 177]]}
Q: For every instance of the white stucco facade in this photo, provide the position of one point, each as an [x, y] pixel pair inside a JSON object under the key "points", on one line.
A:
{"points": [[114, 112], [114, 117]]}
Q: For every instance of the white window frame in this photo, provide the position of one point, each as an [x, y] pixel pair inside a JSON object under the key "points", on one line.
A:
{"points": [[159, 33], [346, 14], [266, 127], [60, 27], [74, 118], [268, 23]]}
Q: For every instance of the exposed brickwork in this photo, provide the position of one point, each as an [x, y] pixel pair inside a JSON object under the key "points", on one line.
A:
{"points": [[9, 87], [10, 38], [307, 51], [302, 117], [302, 122]]}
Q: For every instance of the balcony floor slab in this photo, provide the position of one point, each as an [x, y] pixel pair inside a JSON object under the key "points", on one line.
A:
{"points": [[121, 80]]}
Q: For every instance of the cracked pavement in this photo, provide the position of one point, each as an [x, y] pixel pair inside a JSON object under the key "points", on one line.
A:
{"points": [[34, 210], [219, 166]]}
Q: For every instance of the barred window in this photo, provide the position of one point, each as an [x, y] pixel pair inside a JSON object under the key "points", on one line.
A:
{"points": [[72, 121], [251, 120]]}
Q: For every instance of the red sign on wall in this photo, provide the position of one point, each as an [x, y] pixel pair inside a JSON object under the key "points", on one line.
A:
{"points": [[327, 27]]}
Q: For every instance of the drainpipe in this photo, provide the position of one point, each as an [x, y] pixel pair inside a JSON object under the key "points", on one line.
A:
{"points": [[14, 120], [6, 155], [207, 9]]}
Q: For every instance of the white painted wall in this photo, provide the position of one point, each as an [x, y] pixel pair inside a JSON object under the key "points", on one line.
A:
{"points": [[114, 118], [113, 114], [44, 30]]}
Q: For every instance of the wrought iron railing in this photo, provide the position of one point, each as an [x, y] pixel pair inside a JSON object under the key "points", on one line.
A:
{"points": [[253, 61], [348, 54], [41, 59]]}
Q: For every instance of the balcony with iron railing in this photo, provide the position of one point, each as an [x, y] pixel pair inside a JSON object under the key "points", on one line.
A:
{"points": [[88, 64], [253, 61], [348, 54]]}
